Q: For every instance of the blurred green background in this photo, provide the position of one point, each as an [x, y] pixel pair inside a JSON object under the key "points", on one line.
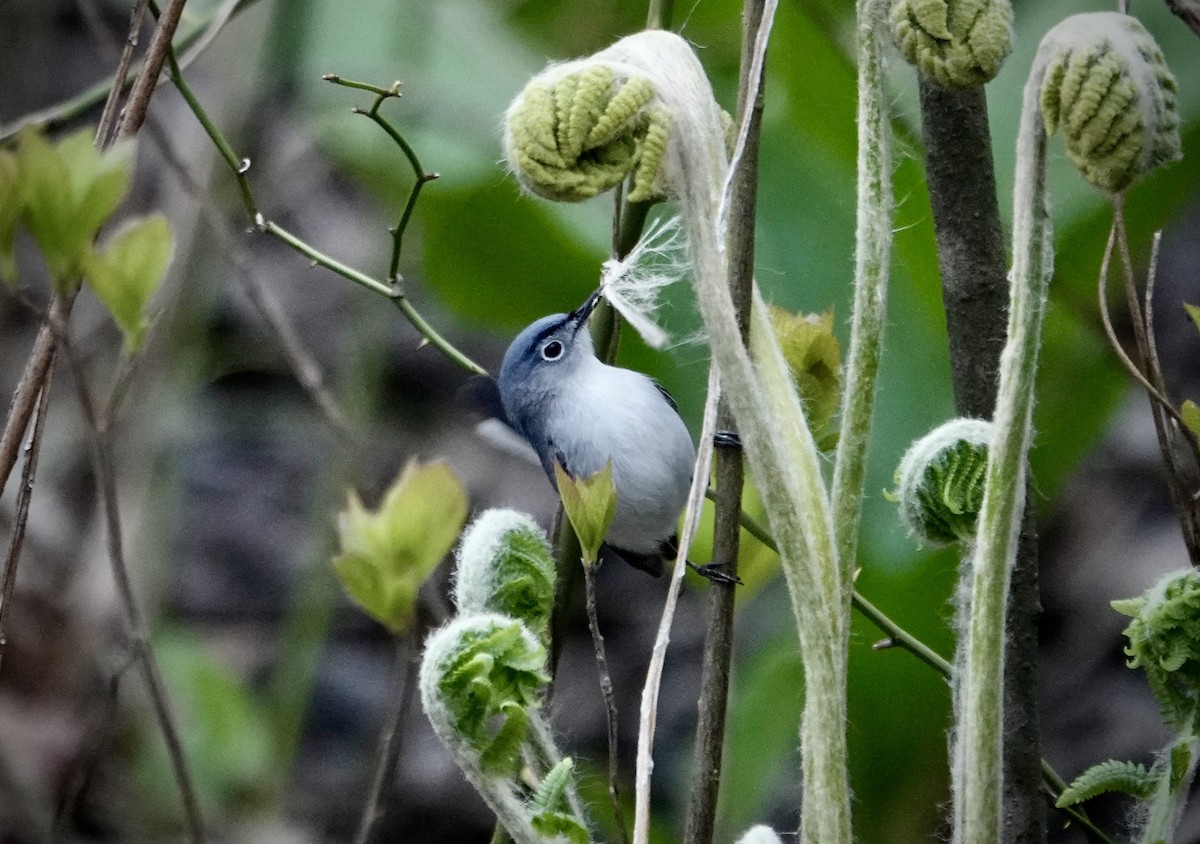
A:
{"points": [[482, 261]]}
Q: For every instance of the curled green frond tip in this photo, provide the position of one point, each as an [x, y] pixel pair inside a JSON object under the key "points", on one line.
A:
{"points": [[940, 481], [1164, 641], [1108, 88], [579, 130], [505, 566], [956, 43], [479, 676]]}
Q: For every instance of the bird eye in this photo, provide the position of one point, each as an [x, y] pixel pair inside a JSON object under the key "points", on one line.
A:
{"points": [[552, 350]]}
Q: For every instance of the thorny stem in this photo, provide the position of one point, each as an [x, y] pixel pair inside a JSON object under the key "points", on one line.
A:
{"points": [[713, 699], [610, 704], [24, 495], [422, 176], [240, 167]]}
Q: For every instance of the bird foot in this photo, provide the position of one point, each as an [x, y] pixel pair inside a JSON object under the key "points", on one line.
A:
{"points": [[727, 439], [716, 573]]}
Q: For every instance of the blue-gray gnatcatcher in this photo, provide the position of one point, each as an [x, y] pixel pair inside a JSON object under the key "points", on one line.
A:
{"points": [[575, 409]]}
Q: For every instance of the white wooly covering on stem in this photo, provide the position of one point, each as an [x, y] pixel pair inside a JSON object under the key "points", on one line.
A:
{"points": [[633, 284]]}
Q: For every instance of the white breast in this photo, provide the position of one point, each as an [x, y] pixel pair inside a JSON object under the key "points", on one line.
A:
{"points": [[620, 415]]}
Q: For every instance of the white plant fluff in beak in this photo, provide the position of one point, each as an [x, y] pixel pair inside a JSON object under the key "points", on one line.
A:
{"points": [[634, 283]]}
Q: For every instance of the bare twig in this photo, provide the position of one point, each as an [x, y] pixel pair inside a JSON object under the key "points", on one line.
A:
{"points": [[713, 698], [391, 740], [138, 630], [28, 388], [109, 114], [24, 495], [610, 705], [134, 113]]}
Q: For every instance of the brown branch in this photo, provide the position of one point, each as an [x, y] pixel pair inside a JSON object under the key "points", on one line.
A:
{"points": [[24, 495], [108, 115], [138, 631], [610, 705], [713, 701], [134, 113]]}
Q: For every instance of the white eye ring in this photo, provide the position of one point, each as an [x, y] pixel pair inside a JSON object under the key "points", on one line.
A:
{"points": [[552, 350]]}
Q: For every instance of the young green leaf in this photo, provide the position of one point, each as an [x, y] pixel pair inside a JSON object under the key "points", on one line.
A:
{"points": [[813, 356], [1194, 312], [125, 274], [1190, 411], [68, 191], [590, 504], [387, 554], [1110, 775], [11, 206]]}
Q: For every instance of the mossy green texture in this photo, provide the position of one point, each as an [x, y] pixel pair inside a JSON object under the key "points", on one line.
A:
{"points": [[505, 566], [940, 481], [956, 43], [579, 130], [1164, 641], [1109, 89]]}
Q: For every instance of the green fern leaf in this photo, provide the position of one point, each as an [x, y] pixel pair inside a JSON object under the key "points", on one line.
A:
{"points": [[1111, 775]]}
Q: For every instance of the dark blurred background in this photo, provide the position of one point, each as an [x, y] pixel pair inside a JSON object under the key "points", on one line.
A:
{"points": [[231, 476]]}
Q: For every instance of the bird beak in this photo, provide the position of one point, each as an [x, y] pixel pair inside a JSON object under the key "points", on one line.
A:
{"points": [[580, 315]]}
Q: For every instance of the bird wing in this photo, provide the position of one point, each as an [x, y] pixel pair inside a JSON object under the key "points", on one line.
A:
{"points": [[662, 391]]}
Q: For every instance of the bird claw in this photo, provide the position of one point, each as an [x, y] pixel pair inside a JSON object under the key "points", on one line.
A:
{"points": [[716, 573], [727, 439]]}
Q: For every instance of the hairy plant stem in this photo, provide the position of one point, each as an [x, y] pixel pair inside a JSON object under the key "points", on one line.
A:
{"points": [[872, 268], [978, 769], [973, 264], [713, 698]]}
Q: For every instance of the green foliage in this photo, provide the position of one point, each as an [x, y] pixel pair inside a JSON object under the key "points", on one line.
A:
{"points": [[957, 43], [811, 350], [11, 206], [226, 735], [1111, 775], [505, 566], [387, 554], [1190, 411], [1164, 641], [940, 481], [552, 817], [482, 672], [125, 274], [69, 190], [1108, 87], [1193, 311], [590, 504]]}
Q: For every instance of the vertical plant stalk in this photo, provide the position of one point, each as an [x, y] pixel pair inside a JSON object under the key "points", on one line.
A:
{"points": [[971, 257], [718, 638], [872, 266], [978, 753]]}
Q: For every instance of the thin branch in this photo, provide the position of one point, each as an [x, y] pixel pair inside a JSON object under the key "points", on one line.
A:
{"points": [[713, 700], [109, 114], [659, 16], [138, 630], [24, 495], [241, 166], [134, 113], [610, 705], [392, 739]]}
